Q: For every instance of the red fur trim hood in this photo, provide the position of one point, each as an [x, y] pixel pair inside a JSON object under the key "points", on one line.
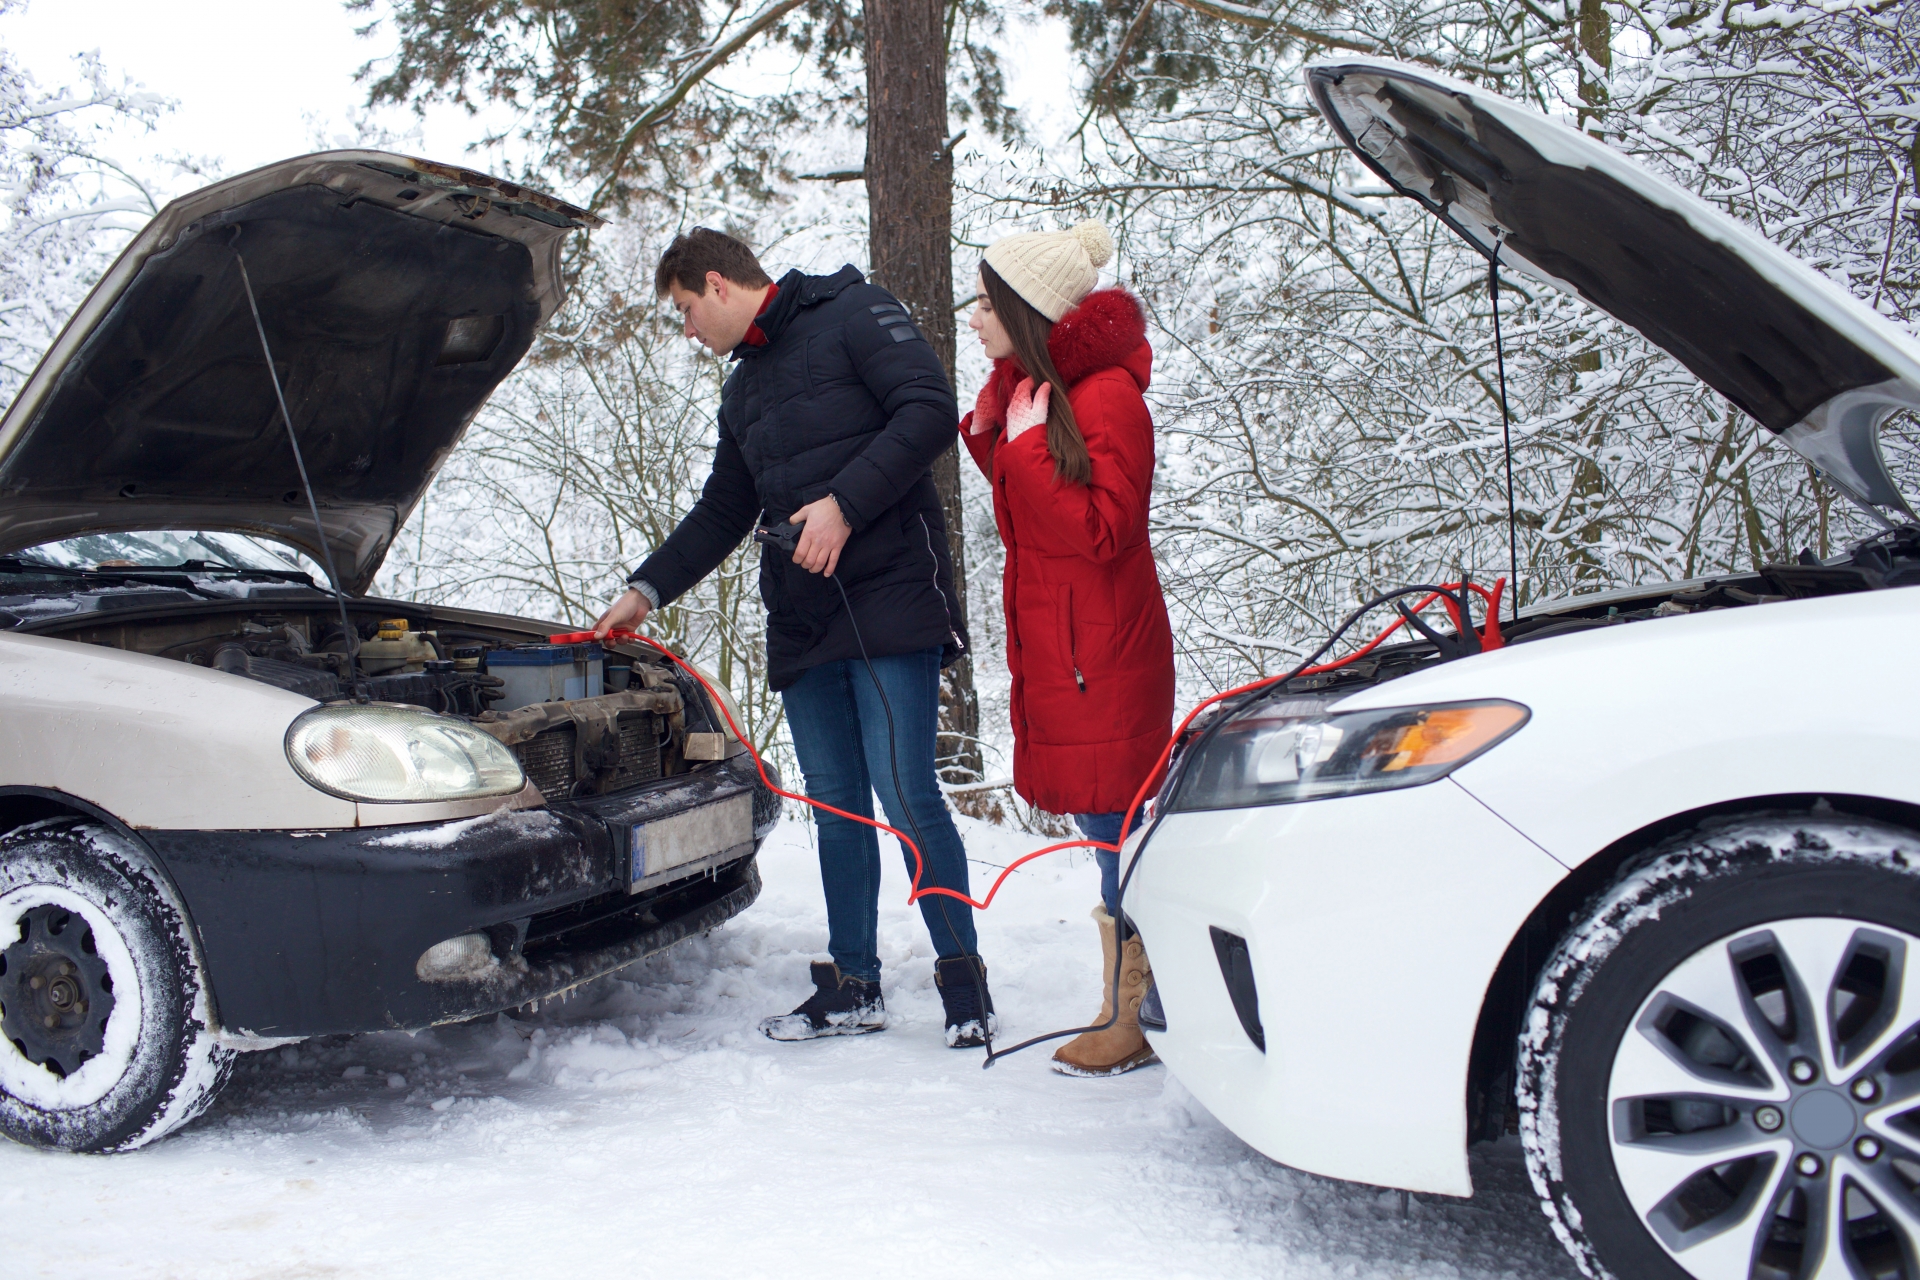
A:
{"points": [[1107, 330]]}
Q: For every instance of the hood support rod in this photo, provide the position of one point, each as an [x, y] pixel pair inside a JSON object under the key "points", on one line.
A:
{"points": [[348, 636], [1506, 432]]}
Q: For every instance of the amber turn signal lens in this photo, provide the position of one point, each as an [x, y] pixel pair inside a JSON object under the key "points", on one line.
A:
{"points": [[1270, 753], [1447, 735]]}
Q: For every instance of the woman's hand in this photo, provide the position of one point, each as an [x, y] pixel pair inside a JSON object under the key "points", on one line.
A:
{"points": [[626, 613], [985, 409], [824, 532], [1028, 408]]}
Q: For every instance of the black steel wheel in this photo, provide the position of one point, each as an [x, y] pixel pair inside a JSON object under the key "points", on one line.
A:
{"points": [[1720, 1076], [107, 1040]]}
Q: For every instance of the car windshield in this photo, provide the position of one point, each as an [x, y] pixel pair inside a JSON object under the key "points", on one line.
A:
{"points": [[164, 549]]}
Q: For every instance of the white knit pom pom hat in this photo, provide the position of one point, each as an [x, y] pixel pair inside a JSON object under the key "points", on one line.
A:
{"points": [[1053, 270]]}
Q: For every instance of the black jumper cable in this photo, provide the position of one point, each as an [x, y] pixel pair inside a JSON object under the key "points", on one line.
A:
{"points": [[1456, 596], [786, 537]]}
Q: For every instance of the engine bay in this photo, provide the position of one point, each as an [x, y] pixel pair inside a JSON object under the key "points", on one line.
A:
{"points": [[582, 719], [1888, 560]]}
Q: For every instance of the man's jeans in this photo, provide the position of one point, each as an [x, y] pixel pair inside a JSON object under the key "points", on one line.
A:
{"points": [[1105, 827], [840, 735]]}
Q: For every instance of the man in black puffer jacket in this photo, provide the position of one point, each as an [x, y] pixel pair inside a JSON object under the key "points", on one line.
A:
{"points": [[832, 418]]}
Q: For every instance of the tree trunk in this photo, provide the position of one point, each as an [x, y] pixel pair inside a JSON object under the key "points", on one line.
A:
{"points": [[909, 175], [1596, 42]]}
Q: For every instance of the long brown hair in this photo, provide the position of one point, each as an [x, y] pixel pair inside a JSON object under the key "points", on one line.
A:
{"points": [[1028, 331]]}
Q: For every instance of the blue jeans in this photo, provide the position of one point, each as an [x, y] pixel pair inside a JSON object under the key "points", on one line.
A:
{"points": [[1106, 827], [840, 735]]}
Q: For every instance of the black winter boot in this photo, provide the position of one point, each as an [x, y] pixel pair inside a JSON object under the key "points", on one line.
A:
{"points": [[963, 990], [839, 1006]]}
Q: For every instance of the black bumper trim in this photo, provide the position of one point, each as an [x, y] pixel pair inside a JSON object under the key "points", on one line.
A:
{"points": [[594, 951], [317, 933]]}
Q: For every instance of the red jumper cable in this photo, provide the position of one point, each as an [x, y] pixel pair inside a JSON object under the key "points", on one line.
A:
{"points": [[1490, 638]]}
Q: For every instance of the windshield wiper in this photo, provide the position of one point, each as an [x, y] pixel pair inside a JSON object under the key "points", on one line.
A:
{"points": [[14, 564], [240, 571], [174, 578]]}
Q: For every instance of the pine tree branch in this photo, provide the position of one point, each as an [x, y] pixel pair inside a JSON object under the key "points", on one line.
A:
{"points": [[664, 106], [1119, 55], [1246, 15]]}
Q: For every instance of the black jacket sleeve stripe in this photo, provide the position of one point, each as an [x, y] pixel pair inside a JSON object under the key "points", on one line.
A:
{"points": [[907, 379]]}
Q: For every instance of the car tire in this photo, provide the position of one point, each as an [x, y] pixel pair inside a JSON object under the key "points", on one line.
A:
{"points": [[1687, 1108], [108, 1040]]}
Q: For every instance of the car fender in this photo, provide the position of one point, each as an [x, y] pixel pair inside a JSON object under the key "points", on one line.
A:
{"points": [[1634, 723], [155, 742]]}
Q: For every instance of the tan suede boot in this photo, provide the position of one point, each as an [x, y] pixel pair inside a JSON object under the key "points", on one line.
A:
{"points": [[1121, 1047]]}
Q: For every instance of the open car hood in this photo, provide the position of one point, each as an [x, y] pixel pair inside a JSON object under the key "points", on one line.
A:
{"points": [[396, 294], [1789, 347]]}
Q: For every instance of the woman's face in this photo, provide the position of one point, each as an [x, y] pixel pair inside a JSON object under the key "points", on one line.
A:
{"points": [[993, 336]]}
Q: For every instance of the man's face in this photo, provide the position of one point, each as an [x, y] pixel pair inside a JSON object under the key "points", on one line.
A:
{"points": [[719, 318]]}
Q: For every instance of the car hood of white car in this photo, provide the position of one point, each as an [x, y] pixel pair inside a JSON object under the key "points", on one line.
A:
{"points": [[1785, 344], [395, 294]]}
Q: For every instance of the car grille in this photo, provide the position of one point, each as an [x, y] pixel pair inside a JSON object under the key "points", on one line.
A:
{"points": [[548, 758]]}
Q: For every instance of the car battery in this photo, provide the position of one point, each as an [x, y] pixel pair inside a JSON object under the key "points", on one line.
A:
{"points": [[546, 673]]}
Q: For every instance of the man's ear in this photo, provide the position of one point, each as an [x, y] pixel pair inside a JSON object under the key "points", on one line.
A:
{"points": [[719, 286]]}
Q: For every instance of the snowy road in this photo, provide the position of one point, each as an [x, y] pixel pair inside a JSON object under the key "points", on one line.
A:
{"points": [[645, 1129]]}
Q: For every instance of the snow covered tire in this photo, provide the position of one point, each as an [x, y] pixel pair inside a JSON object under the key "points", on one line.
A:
{"points": [[100, 978], [1672, 1041]]}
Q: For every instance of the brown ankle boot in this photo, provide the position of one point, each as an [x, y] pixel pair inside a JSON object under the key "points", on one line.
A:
{"points": [[1121, 1047]]}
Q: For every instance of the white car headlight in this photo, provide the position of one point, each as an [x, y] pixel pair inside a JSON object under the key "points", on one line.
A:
{"points": [[1260, 757], [725, 695], [388, 753]]}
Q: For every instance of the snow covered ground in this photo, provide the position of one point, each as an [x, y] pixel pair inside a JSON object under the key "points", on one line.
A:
{"points": [[644, 1128]]}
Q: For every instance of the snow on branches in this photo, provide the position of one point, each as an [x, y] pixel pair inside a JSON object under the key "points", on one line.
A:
{"points": [[1325, 373], [66, 207]]}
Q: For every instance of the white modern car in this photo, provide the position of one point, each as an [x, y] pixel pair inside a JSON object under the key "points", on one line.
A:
{"points": [[1644, 884], [238, 809]]}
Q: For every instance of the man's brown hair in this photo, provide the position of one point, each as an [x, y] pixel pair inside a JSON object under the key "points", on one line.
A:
{"points": [[694, 253]]}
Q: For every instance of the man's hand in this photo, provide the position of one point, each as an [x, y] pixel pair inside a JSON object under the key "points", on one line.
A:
{"points": [[825, 531], [628, 612]]}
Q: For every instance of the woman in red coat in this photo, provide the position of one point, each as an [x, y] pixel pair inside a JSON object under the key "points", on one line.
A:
{"points": [[1063, 434]]}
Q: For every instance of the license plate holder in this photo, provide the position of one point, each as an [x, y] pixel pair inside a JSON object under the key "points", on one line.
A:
{"points": [[689, 836]]}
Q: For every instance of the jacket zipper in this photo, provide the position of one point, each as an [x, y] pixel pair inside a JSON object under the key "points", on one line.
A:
{"points": [[1013, 556], [1073, 644], [953, 632]]}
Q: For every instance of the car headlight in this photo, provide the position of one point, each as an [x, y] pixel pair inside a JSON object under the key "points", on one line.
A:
{"points": [[1263, 757], [387, 753], [727, 702]]}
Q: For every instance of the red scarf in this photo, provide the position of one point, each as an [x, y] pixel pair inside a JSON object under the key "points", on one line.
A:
{"points": [[755, 336]]}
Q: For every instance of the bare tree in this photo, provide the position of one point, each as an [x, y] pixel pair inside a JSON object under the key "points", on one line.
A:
{"points": [[577, 467], [1326, 376], [634, 103], [67, 205]]}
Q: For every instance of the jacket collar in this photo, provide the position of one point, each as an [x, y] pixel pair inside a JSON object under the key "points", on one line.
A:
{"points": [[756, 336], [795, 291], [1108, 330]]}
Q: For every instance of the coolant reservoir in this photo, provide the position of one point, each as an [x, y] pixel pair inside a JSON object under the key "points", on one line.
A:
{"points": [[395, 648]]}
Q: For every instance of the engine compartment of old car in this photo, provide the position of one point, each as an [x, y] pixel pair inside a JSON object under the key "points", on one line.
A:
{"points": [[583, 720]]}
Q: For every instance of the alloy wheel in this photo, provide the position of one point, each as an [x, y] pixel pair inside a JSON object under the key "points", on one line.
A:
{"points": [[1764, 1105]]}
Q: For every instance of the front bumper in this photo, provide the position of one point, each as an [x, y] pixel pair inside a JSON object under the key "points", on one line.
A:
{"points": [[1372, 926], [308, 933]]}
